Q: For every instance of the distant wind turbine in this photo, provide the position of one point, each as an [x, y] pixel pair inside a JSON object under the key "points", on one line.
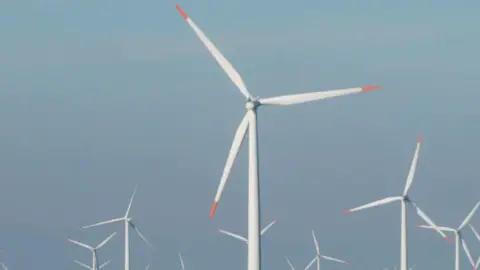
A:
{"points": [[128, 224], [459, 237], [306, 268], [243, 238], [404, 199], [250, 122], [319, 256], [94, 252]]}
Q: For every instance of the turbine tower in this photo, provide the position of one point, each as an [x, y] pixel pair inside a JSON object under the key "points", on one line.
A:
{"points": [[94, 252], [319, 256], [404, 199], [242, 238], [459, 237], [128, 224], [250, 122]]}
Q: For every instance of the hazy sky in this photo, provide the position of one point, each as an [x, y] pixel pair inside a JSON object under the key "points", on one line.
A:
{"points": [[99, 96]]}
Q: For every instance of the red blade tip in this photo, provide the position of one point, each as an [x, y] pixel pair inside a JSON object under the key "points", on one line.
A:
{"points": [[214, 207], [346, 212], [370, 87], [419, 226], [183, 13], [420, 138], [448, 239]]}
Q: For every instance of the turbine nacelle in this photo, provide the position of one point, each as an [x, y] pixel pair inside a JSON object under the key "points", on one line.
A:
{"points": [[252, 103]]}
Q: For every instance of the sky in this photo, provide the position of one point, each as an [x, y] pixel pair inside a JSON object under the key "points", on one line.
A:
{"points": [[97, 97]]}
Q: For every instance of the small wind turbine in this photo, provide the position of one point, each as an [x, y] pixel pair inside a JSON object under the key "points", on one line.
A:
{"points": [[250, 122], [242, 238], [181, 261], [306, 268], [88, 267], [319, 256], [94, 252], [459, 237], [404, 199], [128, 224]]}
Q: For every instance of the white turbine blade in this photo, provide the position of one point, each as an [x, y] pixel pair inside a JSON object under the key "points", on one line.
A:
{"points": [[239, 237], [413, 167], [264, 230], [478, 263], [141, 235], [334, 259], [429, 221], [291, 265], [465, 248], [106, 240], [131, 201], [181, 261], [221, 60], [104, 222], [84, 265], [445, 229], [4, 267], [148, 267], [104, 264], [470, 215], [316, 243], [312, 262], [313, 96], [81, 244], [373, 204], [475, 232], [237, 142]]}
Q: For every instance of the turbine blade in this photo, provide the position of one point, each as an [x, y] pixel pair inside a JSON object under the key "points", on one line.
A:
{"points": [[291, 265], [131, 201], [470, 215], [81, 244], [478, 263], [148, 267], [313, 96], [413, 167], [445, 229], [316, 243], [141, 235], [429, 221], [104, 264], [181, 261], [237, 142], [264, 230], [239, 237], [221, 60], [475, 232], [311, 262], [4, 267], [373, 204], [103, 223], [106, 240], [334, 259], [84, 265], [465, 248]]}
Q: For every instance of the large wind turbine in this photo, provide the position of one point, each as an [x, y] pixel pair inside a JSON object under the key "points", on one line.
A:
{"points": [[242, 238], [404, 199], [94, 251], [459, 237], [250, 122], [319, 256], [128, 224]]}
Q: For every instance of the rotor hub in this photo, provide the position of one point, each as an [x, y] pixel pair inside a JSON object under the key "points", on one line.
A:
{"points": [[250, 105]]}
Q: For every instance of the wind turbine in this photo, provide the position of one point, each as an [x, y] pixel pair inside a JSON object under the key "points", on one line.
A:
{"points": [[459, 237], [128, 224], [242, 238], [94, 251], [306, 268], [250, 122], [404, 199], [319, 256], [88, 267]]}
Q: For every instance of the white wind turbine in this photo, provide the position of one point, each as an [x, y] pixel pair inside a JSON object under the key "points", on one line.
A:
{"points": [[477, 264], [250, 122], [128, 224], [242, 238], [459, 237], [94, 252], [404, 199], [306, 268], [319, 256]]}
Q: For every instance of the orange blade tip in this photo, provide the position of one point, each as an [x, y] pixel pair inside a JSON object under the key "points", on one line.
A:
{"points": [[214, 208], [182, 12], [420, 138], [370, 87], [448, 239], [419, 226], [346, 212]]}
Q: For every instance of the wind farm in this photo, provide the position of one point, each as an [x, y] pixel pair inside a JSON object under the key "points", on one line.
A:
{"points": [[115, 140]]}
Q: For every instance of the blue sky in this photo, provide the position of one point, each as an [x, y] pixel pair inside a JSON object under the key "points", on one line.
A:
{"points": [[99, 96]]}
